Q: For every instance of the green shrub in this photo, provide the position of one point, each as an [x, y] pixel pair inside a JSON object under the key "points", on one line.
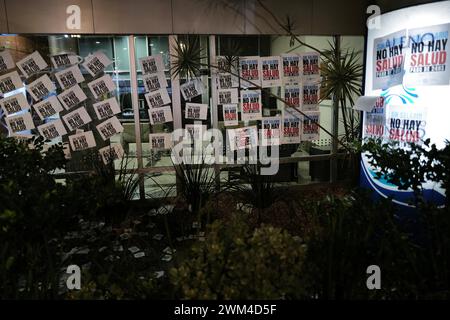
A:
{"points": [[32, 213], [408, 168], [236, 262], [353, 232]]}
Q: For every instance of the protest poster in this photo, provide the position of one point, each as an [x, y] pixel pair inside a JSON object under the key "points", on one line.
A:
{"points": [[249, 70], [52, 130], [106, 108], [271, 129], [310, 96], [160, 141], [19, 123], [406, 125], [109, 128], [63, 60], [293, 95], [197, 111], [251, 108], [158, 98], [389, 53], [76, 118], [10, 82], [160, 115], [226, 64], [243, 138], [82, 141], [72, 97], [14, 103], [427, 56], [230, 115], [192, 89], [227, 96], [48, 107], [151, 64], [310, 128], [227, 81], [96, 63], [291, 130], [292, 68], [6, 61], [41, 87], [69, 77], [101, 86], [32, 64], [271, 71], [375, 120], [154, 81], [311, 66], [112, 152]]}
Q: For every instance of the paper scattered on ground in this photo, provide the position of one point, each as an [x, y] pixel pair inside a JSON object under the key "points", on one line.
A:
{"points": [[158, 236], [168, 250], [139, 255], [124, 236], [133, 249]]}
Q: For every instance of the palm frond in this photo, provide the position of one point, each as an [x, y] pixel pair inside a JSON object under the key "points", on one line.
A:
{"points": [[231, 50], [342, 80], [196, 178], [187, 57]]}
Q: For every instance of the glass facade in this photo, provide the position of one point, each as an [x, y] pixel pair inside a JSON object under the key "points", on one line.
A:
{"points": [[155, 167]]}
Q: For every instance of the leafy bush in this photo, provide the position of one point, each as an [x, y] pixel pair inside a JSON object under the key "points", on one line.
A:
{"points": [[37, 214], [409, 168], [237, 263], [352, 233], [32, 214]]}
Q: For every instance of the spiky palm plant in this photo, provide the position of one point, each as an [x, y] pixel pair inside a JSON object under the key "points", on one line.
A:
{"points": [[342, 81], [231, 52], [188, 57]]}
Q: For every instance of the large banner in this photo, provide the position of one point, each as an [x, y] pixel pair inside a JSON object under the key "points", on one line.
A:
{"points": [[427, 62], [389, 53], [407, 68]]}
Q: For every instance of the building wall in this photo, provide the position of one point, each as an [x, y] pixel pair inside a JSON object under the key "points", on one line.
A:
{"points": [[311, 17]]}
